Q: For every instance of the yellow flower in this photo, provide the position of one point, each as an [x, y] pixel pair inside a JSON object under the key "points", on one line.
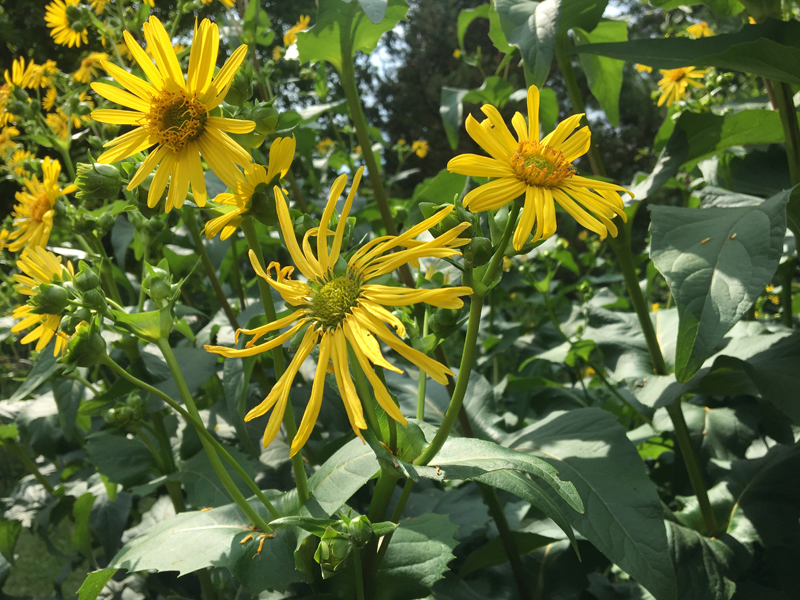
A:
{"points": [[643, 68], [257, 178], [175, 115], [751, 20], [40, 267], [583, 235], [17, 162], [6, 139], [19, 75], [420, 147], [178, 48], [774, 298], [41, 76], [401, 142], [769, 288], [542, 171], [50, 99], [342, 311], [674, 82], [3, 238], [277, 53], [150, 3], [98, 5], [457, 53], [324, 145], [58, 19], [290, 37], [699, 30], [5, 116], [655, 307], [59, 123], [33, 216], [358, 149], [90, 67], [228, 3]]}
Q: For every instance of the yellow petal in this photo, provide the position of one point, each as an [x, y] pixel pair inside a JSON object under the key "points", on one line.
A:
{"points": [[315, 402]]}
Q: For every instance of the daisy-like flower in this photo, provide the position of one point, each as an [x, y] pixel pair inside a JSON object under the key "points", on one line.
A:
{"points": [[59, 122], [290, 37], [61, 17], [420, 147], [541, 171], [699, 30], [228, 3], [5, 116], [41, 312], [257, 179], [20, 74], [90, 66], [643, 68], [175, 114], [339, 307], [41, 76], [98, 5], [17, 162], [674, 83], [324, 145], [277, 52], [49, 99], [33, 216], [7, 135]]}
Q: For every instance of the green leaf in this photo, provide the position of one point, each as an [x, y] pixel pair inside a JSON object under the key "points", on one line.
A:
{"points": [[9, 533], [495, 91], [705, 566], [121, 460], [721, 8], [256, 32], [150, 326], [68, 394], [81, 536], [493, 553], [375, 9], [203, 487], [486, 11], [235, 380], [9, 432], [604, 74], [623, 518], [532, 27], [318, 527], [335, 17], [41, 371], [94, 584], [417, 557], [584, 14], [196, 540], [548, 110], [716, 261], [697, 136], [770, 49]]}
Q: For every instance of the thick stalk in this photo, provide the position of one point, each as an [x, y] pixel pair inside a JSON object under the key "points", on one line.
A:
{"points": [[190, 221], [201, 430], [787, 276], [359, 574], [622, 247], [423, 378], [277, 356], [173, 487], [145, 259], [791, 133]]}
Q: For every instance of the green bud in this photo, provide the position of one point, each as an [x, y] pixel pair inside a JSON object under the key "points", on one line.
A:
{"points": [[333, 551], [96, 143], [302, 222], [17, 107], [86, 348], [35, 106], [20, 94], [134, 400], [265, 117], [95, 300], [443, 319], [241, 89], [106, 222], [157, 284], [98, 182], [155, 226], [50, 299], [478, 252], [110, 130], [84, 224], [360, 531], [86, 279], [262, 205]]}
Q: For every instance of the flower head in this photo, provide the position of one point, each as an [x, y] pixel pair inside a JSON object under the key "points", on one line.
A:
{"points": [[33, 216], [420, 147], [324, 145], [6, 139], [174, 114], [257, 179], [457, 53], [90, 66], [43, 274], [67, 23], [699, 30], [59, 122], [41, 76], [49, 99], [20, 74], [643, 68], [674, 82], [17, 162], [542, 171], [290, 37], [5, 116], [342, 310], [228, 3]]}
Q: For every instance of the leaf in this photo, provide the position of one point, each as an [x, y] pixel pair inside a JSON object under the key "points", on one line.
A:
{"points": [[697, 136], [493, 553], [41, 371], [721, 8], [705, 566], [235, 379], [94, 584], [583, 14], [375, 9], [150, 326], [121, 460], [256, 32], [81, 536], [9, 533], [68, 394], [532, 27], [416, 558], [716, 261], [203, 487], [337, 17], [197, 367], [623, 518], [604, 74], [195, 540], [770, 49], [108, 520], [486, 11], [495, 91]]}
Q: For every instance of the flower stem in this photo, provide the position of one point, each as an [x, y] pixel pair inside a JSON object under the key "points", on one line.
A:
{"points": [[277, 356], [423, 378], [297, 193], [791, 133], [205, 436], [359, 574], [190, 221], [236, 273], [106, 272], [145, 259]]}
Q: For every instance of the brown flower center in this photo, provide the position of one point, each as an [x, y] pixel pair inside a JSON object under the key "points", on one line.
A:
{"points": [[40, 207], [540, 165], [176, 119]]}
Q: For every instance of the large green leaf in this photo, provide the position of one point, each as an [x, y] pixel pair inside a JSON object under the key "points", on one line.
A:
{"points": [[416, 558], [532, 27], [235, 379], [120, 459], [585, 14], [604, 74], [697, 136], [94, 584], [196, 540], [336, 17], [705, 566], [721, 8], [493, 553], [495, 91], [41, 371], [9, 533], [770, 49], [623, 517], [486, 11], [717, 262]]}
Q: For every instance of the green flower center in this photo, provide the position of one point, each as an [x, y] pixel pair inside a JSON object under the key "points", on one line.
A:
{"points": [[334, 301]]}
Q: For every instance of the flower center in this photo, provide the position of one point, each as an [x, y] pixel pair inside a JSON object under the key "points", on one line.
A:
{"points": [[40, 207], [334, 301], [676, 74], [176, 119], [540, 165]]}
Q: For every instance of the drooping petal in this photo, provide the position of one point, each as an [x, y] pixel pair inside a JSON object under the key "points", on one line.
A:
{"points": [[315, 401]]}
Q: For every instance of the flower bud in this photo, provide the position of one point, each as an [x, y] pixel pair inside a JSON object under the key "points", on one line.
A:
{"points": [[86, 279], [262, 205], [98, 182], [20, 94], [50, 300], [241, 89], [478, 252], [265, 117], [86, 348], [106, 222], [360, 531], [157, 284], [333, 551], [95, 300], [443, 319], [71, 321]]}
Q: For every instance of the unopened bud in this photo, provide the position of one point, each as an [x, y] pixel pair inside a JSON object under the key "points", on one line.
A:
{"points": [[262, 205], [478, 252], [265, 117], [86, 279], [50, 299], [241, 89], [97, 182], [86, 348]]}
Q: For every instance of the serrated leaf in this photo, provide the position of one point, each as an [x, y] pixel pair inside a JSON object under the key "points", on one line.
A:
{"points": [[94, 584], [717, 261], [706, 567], [375, 9], [486, 11], [623, 518], [532, 27], [604, 75]]}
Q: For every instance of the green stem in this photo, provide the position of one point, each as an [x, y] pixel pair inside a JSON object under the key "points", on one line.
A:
{"points": [[145, 259], [297, 193], [384, 488], [277, 356], [179, 13], [156, 454], [236, 273], [17, 451], [791, 133], [64, 151], [78, 377], [173, 487], [468, 355], [197, 423], [408, 486], [106, 272], [787, 275], [692, 467], [190, 221], [359, 574], [423, 378]]}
